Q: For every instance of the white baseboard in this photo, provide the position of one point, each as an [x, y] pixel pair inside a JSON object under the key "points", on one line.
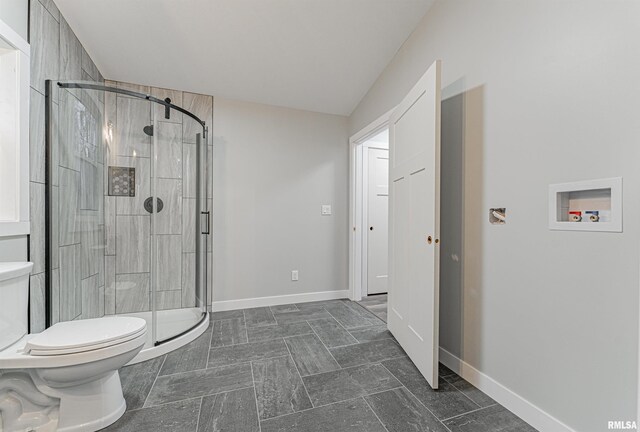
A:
{"points": [[226, 305], [515, 403]]}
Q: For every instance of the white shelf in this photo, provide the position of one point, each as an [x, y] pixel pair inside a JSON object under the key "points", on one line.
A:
{"points": [[603, 196]]}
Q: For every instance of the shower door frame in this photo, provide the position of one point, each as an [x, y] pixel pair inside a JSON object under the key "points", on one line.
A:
{"points": [[203, 217]]}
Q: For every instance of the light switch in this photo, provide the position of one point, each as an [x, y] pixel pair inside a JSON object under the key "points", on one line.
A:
{"points": [[326, 209]]}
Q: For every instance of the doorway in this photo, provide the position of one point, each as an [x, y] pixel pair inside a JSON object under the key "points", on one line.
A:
{"points": [[375, 212], [369, 212]]}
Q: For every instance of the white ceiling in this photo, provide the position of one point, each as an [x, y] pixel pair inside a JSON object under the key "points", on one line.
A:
{"points": [[318, 55]]}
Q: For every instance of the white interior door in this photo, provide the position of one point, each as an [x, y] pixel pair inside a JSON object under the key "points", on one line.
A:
{"points": [[377, 219], [414, 223]]}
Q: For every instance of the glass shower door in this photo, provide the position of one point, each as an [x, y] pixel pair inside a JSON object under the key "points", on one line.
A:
{"points": [[178, 294]]}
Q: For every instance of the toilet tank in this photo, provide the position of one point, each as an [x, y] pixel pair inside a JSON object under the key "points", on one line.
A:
{"points": [[14, 298]]}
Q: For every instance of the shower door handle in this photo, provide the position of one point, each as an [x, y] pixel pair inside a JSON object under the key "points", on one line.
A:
{"points": [[206, 226]]}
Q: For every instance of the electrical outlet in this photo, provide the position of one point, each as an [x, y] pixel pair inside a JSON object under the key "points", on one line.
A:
{"points": [[294, 275]]}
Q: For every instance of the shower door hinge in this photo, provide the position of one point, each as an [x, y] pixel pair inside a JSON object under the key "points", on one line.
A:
{"points": [[206, 227]]}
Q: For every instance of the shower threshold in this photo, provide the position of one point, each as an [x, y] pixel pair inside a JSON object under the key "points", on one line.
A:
{"points": [[170, 322]]}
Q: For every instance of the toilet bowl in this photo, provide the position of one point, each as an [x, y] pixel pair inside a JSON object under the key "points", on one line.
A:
{"points": [[66, 377]]}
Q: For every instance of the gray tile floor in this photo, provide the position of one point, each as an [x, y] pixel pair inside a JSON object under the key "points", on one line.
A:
{"points": [[315, 367]]}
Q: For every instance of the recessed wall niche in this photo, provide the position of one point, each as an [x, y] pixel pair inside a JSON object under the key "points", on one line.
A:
{"points": [[591, 205]]}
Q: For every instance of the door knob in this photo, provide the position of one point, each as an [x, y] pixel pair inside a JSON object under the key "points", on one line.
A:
{"points": [[429, 239], [370, 228]]}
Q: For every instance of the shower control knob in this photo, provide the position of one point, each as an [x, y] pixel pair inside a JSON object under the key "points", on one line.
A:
{"points": [[148, 205]]}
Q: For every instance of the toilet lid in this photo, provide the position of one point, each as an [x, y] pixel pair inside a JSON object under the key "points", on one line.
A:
{"points": [[77, 336]]}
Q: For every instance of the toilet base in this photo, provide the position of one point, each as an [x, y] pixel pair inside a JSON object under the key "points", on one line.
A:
{"points": [[87, 407], [27, 402]]}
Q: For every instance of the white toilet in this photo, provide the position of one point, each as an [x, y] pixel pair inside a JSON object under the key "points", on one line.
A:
{"points": [[65, 378]]}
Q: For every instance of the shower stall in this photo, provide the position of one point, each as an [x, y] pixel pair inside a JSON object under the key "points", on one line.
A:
{"points": [[127, 207]]}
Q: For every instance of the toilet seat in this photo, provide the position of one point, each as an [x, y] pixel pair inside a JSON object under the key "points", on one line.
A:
{"points": [[74, 337]]}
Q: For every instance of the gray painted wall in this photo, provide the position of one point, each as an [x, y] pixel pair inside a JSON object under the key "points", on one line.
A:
{"points": [[535, 93], [273, 169], [15, 13]]}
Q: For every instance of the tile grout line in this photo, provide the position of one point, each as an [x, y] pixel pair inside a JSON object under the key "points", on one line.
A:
{"points": [[325, 346], [199, 414], [374, 413], [255, 396], [329, 404], [375, 362], [411, 393], [189, 398], [468, 412], [246, 328], [345, 329], [461, 392], [456, 387], [299, 374], [154, 381]]}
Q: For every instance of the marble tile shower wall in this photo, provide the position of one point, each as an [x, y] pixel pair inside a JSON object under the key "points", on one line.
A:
{"points": [[76, 265], [93, 273], [129, 236]]}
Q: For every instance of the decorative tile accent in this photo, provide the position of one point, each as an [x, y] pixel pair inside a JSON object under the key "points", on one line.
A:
{"points": [[122, 181], [135, 205]]}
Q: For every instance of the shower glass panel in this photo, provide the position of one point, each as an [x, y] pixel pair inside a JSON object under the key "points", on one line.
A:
{"points": [[126, 209], [178, 301]]}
